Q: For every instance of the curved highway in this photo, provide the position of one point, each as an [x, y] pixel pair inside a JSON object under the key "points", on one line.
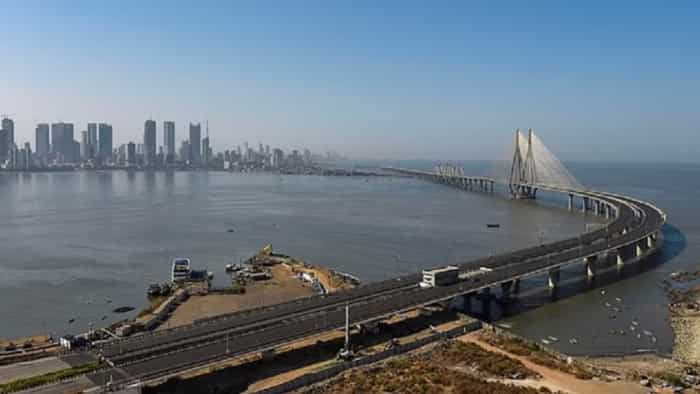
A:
{"points": [[635, 225]]}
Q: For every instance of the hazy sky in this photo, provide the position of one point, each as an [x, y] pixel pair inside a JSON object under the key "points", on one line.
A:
{"points": [[381, 79]]}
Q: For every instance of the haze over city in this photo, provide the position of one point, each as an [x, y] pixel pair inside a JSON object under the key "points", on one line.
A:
{"points": [[389, 80]]}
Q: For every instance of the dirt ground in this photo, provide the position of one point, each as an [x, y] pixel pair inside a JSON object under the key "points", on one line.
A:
{"points": [[282, 287], [37, 340], [560, 381]]}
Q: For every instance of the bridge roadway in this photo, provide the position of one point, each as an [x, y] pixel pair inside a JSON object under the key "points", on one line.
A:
{"points": [[252, 331]]}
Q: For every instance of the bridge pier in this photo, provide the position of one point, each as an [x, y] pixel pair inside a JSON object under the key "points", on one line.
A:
{"points": [[584, 204], [638, 251], [596, 207], [591, 267], [619, 258], [553, 278], [506, 291], [571, 202], [516, 285]]}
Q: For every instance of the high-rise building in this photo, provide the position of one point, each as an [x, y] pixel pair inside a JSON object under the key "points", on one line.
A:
{"points": [[92, 140], [84, 146], [131, 153], [62, 146], [195, 143], [105, 142], [42, 142], [169, 141], [4, 145], [206, 151], [7, 138], [185, 151], [149, 143], [9, 125]]}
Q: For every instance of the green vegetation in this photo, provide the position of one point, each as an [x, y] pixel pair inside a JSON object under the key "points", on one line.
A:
{"points": [[51, 377]]}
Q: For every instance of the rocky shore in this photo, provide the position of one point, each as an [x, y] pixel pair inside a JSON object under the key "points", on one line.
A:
{"points": [[683, 289]]}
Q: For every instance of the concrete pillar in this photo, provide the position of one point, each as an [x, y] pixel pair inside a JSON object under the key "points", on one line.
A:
{"points": [[596, 207], [619, 260], [607, 211], [638, 249], [553, 278], [516, 285], [584, 204], [650, 242], [506, 288], [571, 202], [590, 262]]}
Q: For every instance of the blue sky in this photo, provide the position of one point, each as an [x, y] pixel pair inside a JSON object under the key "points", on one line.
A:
{"points": [[390, 79]]}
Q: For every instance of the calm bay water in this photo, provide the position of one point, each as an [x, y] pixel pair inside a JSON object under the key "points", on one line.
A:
{"points": [[72, 241]]}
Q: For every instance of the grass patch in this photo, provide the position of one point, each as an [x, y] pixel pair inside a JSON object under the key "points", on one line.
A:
{"points": [[51, 377]]}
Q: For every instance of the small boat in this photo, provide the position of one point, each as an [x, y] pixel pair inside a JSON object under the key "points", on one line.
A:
{"points": [[635, 323], [618, 299], [616, 309], [602, 292], [230, 230], [632, 327], [639, 336], [545, 341], [123, 309], [653, 339], [573, 341], [104, 317], [553, 339], [71, 320], [109, 301], [621, 332], [493, 225], [607, 305], [647, 333]]}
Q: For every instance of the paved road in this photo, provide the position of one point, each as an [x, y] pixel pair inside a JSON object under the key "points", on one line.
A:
{"points": [[255, 330]]}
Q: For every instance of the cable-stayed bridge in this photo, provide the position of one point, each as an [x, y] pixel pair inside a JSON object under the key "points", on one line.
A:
{"points": [[631, 233]]}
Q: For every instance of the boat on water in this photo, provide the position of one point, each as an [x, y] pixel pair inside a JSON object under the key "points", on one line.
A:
{"points": [[573, 341], [553, 339], [493, 225], [545, 341], [181, 268]]}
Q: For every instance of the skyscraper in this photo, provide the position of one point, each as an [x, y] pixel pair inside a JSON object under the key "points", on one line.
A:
{"points": [[92, 140], [42, 142], [105, 142], [149, 142], [205, 151], [62, 141], [7, 138], [131, 153], [4, 145], [195, 143], [9, 125], [84, 145], [169, 141]]}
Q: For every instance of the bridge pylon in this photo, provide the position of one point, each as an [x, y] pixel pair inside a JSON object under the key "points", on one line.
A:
{"points": [[523, 172]]}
